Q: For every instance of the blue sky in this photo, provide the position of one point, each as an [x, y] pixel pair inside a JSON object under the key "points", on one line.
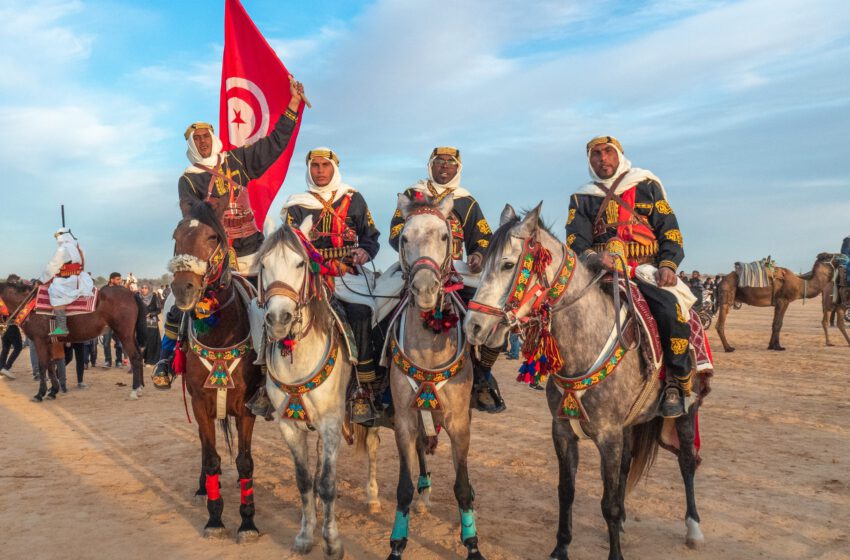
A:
{"points": [[742, 108]]}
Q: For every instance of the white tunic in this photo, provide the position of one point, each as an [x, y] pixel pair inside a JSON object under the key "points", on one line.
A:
{"points": [[65, 290]]}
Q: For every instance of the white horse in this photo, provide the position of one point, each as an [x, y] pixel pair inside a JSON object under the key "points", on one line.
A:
{"points": [[309, 370], [431, 372]]}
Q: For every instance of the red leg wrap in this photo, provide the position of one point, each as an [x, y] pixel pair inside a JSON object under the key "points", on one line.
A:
{"points": [[213, 491], [247, 486]]}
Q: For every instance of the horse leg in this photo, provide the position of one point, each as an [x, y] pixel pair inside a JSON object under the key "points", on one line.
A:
{"points": [[131, 350], [611, 452], [778, 316], [725, 304], [405, 437], [296, 439], [245, 467], [326, 485], [685, 428], [212, 471], [457, 426], [566, 448], [53, 374], [625, 466], [42, 348], [373, 442], [423, 485]]}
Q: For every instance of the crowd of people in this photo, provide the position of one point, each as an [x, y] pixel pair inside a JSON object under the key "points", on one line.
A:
{"points": [[85, 354]]}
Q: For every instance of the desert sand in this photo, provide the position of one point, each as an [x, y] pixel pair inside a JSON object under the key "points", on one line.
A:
{"points": [[95, 475]]}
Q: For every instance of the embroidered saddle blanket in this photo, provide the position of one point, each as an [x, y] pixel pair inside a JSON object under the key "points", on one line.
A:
{"points": [[757, 274], [80, 306]]}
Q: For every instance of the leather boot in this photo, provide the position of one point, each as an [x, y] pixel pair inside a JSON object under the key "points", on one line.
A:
{"points": [[672, 403], [260, 404], [163, 375], [496, 395]]}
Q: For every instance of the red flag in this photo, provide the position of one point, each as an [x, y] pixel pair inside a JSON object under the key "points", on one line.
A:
{"points": [[254, 93]]}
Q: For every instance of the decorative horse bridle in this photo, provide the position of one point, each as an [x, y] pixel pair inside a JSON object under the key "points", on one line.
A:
{"points": [[442, 270]]}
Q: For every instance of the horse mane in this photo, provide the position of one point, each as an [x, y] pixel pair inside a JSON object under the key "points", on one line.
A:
{"points": [[284, 235], [503, 233], [18, 285], [204, 213]]}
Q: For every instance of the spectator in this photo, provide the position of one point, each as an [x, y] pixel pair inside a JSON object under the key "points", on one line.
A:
{"points": [[131, 283], [513, 346], [76, 351], [12, 346], [33, 359], [153, 307], [114, 280], [90, 352]]}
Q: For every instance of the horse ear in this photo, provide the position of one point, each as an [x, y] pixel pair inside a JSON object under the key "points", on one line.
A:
{"points": [[219, 205], [508, 215], [306, 225], [446, 205], [528, 225], [404, 204]]}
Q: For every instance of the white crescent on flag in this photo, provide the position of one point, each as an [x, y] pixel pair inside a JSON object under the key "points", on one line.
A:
{"points": [[247, 111]]}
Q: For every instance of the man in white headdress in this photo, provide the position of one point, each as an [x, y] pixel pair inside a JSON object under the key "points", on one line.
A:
{"points": [[344, 233], [213, 173], [623, 211], [67, 277], [470, 231]]}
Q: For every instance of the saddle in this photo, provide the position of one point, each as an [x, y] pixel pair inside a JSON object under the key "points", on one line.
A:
{"points": [[758, 274], [80, 306]]}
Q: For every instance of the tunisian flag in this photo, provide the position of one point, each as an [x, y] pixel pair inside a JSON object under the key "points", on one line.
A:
{"points": [[254, 93]]}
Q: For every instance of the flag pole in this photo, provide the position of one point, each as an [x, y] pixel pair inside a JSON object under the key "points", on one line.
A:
{"points": [[63, 215], [304, 97]]}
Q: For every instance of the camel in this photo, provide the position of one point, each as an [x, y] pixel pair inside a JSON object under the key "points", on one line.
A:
{"points": [[791, 287], [836, 310]]}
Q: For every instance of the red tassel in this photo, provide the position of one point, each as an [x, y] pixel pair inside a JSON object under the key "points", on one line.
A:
{"points": [[550, 350], [178, 365]]}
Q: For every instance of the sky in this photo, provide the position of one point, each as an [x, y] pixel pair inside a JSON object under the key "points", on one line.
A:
{"points": [[742, 108]]}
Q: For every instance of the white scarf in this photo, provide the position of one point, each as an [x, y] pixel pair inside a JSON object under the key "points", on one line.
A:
{"points": [[194, 155], [634, 175], [453, 185], [306, 200]]}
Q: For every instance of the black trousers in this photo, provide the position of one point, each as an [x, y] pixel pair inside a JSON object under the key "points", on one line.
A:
{"points": [[482, 365], [77, 352], [674, 332], [359, 318], [12, 345]]}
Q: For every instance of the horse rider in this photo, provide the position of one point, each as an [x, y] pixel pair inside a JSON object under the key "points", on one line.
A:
{"points": [[212, 173], [66, 277], [624, 210], [470, 231], [344, 233]]}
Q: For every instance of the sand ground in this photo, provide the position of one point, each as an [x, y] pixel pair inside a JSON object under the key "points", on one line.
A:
{"points": [[95, 475]]}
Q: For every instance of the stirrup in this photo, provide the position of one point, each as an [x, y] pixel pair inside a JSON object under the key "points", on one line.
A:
{"points": [[363, 410], [59, 332], [162, 376]]}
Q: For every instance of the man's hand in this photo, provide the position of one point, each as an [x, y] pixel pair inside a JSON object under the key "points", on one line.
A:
{"points": [[359, 256], [474, 262], [665, 277], [296, 90]]}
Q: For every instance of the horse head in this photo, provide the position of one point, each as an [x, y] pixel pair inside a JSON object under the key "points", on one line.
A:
{"points": [[486, 321], [284, 278], [424, 249], [201, 256]]}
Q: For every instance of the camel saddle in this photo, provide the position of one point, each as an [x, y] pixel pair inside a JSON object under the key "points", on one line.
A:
{"points": [[758, 274], [80, 306]]}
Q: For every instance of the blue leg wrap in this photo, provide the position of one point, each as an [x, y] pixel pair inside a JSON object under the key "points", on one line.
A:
{"points": [[168, 344], [424, 482], [467, 524], [400, 527]]}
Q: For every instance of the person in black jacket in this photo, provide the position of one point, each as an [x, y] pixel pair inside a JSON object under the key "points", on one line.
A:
{"points": [[624, 211]]}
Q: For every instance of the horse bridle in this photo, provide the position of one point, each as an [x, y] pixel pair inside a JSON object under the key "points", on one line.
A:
{"points": [[283, 289], [441, 270]]}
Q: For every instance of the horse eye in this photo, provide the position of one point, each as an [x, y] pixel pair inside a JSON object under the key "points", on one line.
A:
{"points": [[300, 265], [444, 237], [404, 239], [212, 237], [507, 266]]}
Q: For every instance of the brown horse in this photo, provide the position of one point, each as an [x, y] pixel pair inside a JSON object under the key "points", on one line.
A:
{"points": [[117, 308], [792, 287], [221, 356]]}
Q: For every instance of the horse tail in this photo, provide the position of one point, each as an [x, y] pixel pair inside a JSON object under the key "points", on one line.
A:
{"points": [[141, 324], [645, 439], [361, 432], [228, 434]]}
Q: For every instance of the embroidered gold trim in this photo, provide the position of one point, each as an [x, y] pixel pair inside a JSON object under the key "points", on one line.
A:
{"points": [[483, 227], [674, 235], [679, 345], [663, 207], [571, 216]]}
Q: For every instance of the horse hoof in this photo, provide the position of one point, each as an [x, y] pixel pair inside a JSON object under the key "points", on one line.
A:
{"points": [[215, 532], [560, 553], [334, 554], [730, 349], [695, 538], [250, 536], [37, 398], [134, 395], [374, 507], [50, 396], [302, 546]]}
